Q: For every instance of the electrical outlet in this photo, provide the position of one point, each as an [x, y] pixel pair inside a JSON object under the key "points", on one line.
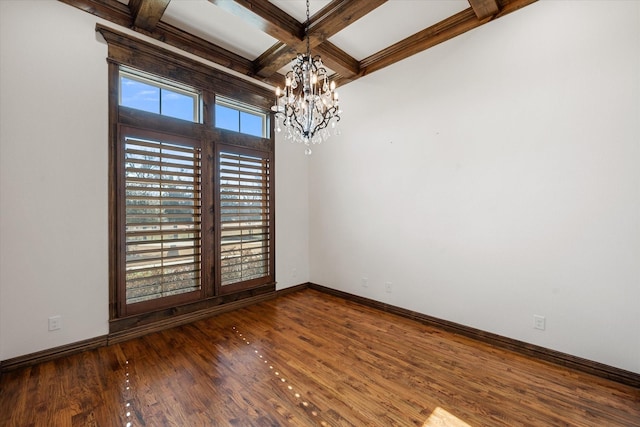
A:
{"points": [[538, 322], [365, 282], [55, 323], [388, 286]]}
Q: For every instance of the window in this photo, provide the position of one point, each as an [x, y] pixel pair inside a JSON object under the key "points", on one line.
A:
{"points": [[144, 92], [233, 116], [191, 203]]}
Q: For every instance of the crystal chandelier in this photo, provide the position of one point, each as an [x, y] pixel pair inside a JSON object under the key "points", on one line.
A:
{"points": [[309, 101]]}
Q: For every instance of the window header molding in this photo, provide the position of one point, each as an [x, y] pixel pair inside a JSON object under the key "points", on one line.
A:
{"points": [[133, 52]]}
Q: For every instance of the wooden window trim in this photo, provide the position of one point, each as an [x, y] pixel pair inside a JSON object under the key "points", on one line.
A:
{"points": [[130, 52]]}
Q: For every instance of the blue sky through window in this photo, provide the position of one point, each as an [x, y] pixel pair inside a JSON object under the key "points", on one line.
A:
{"points": [[251, 124], [176, 105], [239, 121], [227, 118], [139, 95], [154, 99]]}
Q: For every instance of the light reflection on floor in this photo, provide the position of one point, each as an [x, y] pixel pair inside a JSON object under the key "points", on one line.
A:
{"points": [[127, 395], [442, 418], [309, 407]]}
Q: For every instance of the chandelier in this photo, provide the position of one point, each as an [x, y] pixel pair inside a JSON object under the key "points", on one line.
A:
{"points": [[309, 101]]}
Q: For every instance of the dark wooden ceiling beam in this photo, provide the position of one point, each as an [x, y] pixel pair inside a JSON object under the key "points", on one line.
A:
{"points": [[442, 31], [330, 20], [327, 22], [189, 43], [265, 16], [147, 13], [264, 65], [508, 6], [273, 21], [347, 68], [337, 59], [484, 8], [338, 15], [429, 37]]}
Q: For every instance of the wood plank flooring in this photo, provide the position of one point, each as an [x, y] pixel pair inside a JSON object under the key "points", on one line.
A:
{"points": [[309, 359]]}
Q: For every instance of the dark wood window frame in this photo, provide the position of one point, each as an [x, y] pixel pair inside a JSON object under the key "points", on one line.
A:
{"points": [[124, 50]]}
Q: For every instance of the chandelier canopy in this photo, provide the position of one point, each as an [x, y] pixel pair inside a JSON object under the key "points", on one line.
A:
{"points": [[309, 102]]}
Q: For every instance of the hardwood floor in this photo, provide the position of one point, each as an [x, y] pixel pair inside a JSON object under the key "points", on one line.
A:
{"points": [[308, 359]]}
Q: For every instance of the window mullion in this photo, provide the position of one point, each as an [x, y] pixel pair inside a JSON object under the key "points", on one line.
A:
{"points": [[209, 241]]}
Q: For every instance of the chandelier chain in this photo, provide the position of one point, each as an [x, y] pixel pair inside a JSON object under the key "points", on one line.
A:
{"points": [[306, 31]]}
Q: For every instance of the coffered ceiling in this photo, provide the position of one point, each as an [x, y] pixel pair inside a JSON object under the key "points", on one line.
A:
{"points": [[259, 38]]}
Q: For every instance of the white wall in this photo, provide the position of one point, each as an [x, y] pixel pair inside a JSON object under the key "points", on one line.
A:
{"points": [[53, 177], [495, 177], [53, 180], [292, 214]]}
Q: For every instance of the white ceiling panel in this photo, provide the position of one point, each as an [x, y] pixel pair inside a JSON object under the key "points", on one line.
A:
{"points": [[298, 8], [392, 22], [214, 24]]}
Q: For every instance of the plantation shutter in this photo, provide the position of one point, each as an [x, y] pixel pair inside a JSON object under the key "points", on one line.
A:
{"points": [[245, 218], [162, 220]]}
